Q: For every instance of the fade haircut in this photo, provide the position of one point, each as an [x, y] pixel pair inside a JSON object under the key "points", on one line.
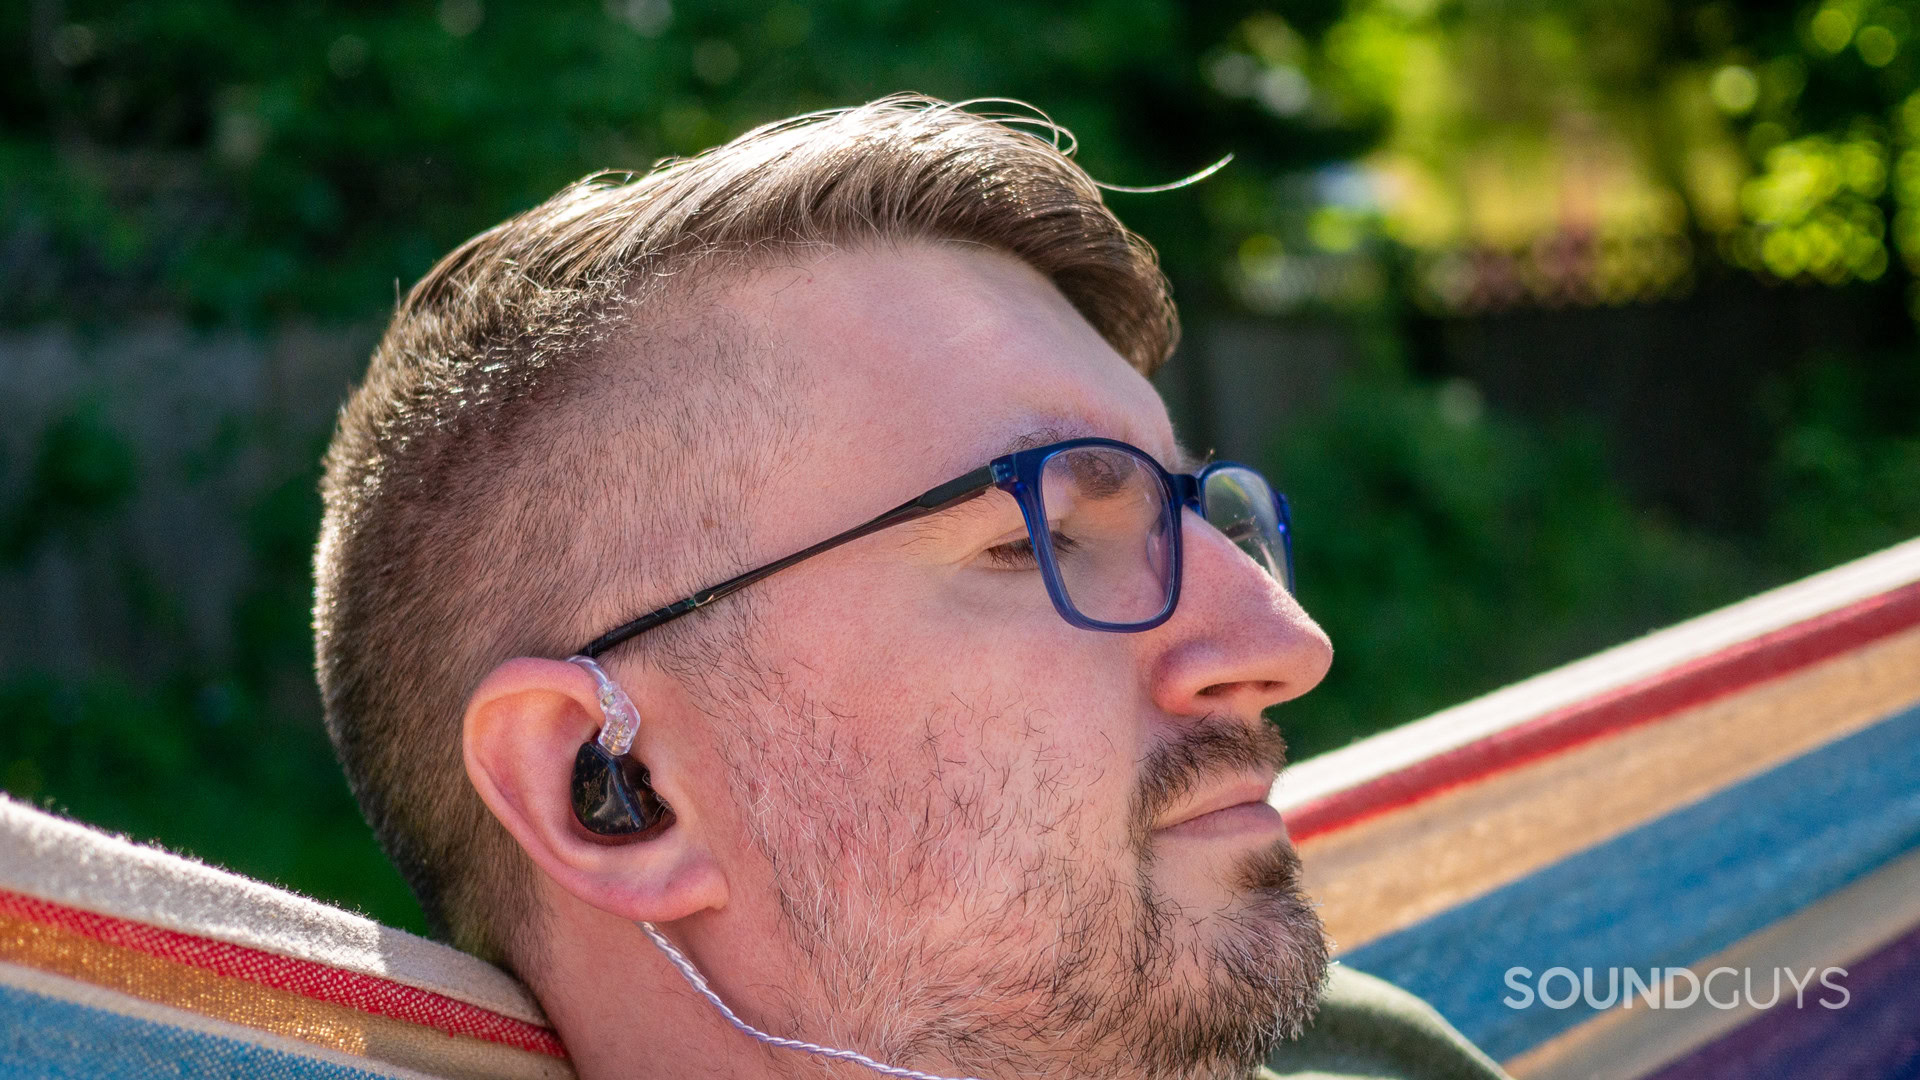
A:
{"points": [[467, 491]]}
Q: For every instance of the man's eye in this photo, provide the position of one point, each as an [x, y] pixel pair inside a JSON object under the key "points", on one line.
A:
{"points": [[1018, 554], [1241, 531], [1015, 556]]}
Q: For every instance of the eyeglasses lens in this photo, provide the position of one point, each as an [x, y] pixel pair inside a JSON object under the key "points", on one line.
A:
{"points": [[1240, 503], [1111, 533]]}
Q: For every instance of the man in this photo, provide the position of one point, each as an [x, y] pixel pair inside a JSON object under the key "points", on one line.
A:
{"points": [[978, 791]]}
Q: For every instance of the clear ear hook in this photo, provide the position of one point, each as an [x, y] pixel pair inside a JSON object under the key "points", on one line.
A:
{"points": [[620, 720]]}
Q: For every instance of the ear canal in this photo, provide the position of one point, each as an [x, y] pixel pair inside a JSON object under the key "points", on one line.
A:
{"points": [[614, 797]]}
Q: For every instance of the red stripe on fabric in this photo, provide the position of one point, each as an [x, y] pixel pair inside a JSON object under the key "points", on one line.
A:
{"points": [[1684, 686], [366, 993]]}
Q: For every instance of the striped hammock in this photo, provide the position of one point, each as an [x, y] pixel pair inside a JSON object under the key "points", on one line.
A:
{"points": [[120, 961]]}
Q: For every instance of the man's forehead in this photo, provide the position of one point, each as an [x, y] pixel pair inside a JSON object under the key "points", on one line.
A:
{"points": [[922, 362]]}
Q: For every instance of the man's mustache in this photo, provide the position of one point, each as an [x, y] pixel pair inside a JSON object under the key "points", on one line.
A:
{"points": [[1210, 747]]}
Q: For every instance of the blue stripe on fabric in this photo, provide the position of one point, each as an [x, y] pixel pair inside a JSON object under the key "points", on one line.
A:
{"points": [[50, 1039], [1670, 892]]}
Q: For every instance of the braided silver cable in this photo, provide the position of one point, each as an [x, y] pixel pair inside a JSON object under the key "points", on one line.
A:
{"points": [[699, 983]]}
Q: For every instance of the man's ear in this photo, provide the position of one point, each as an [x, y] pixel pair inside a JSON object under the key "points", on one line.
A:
{"points": [[523, 727]]}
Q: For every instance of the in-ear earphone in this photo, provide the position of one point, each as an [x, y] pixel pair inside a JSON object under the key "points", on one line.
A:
{"points": [[612, 794]]}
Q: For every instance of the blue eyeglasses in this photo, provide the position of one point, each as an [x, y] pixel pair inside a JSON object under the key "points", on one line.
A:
{"points": [[1103, 527]]}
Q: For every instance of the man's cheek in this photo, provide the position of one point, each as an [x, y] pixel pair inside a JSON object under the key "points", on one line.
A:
{"points": [[871, 657]]}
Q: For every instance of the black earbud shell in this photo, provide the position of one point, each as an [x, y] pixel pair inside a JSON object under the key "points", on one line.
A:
{"points": [[613, 796]]}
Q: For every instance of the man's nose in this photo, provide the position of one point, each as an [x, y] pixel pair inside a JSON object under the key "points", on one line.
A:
{"points": [[1238, 642]]}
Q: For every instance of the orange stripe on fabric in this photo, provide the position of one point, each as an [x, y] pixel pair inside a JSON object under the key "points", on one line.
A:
{"points": [[1406, 865], [367, 993], [59, 951]]}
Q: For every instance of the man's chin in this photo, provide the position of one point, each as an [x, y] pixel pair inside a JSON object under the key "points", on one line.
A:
{"points": [[1291, 933], [1249, 979]]}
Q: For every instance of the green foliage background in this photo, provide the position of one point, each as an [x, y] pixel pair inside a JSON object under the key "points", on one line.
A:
{"points": [[258, 165]]}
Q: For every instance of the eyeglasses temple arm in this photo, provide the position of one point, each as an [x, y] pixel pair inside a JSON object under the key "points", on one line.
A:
{"points": [[952, 493]]}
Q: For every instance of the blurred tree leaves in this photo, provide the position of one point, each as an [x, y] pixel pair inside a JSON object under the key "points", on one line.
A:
{"points": [[1847, 472], [82, 472], [246, 161]]}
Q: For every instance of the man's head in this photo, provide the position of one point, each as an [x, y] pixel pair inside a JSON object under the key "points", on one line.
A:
{"points": [[916, 811]]}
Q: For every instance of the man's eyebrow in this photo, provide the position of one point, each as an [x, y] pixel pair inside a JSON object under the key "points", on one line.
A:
{"points": [[1178, 458], [1043, 436]]}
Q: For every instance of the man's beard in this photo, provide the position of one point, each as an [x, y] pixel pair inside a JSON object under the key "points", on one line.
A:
{"points": [[943, 925]]}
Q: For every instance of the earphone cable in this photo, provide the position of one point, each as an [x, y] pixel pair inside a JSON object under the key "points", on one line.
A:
{"points": [[699, 983]]}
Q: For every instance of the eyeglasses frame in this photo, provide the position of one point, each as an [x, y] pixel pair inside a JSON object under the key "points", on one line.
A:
{"points": [[1018, 474]]}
